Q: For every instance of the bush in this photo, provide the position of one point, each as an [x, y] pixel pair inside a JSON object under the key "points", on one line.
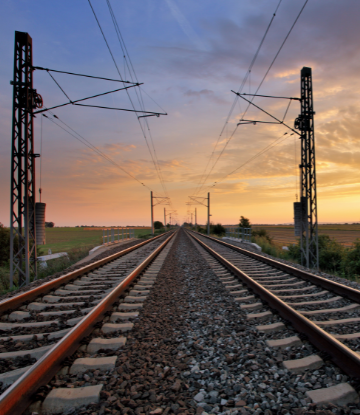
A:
{"points": [[5, 245], [262, 233], [217, 229], [158, 224], [268, 247], [332, 255], [351, 261]]}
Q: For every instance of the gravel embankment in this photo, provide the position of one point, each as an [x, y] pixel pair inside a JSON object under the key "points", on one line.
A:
{"points": [[191, 351], [344, 281], [102, 255]]}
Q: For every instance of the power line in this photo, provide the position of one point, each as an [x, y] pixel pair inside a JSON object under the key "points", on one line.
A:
{"points": [[132, 74], [262, 81], [260, 153], [113, 58], [248, 72], [84, 141]]}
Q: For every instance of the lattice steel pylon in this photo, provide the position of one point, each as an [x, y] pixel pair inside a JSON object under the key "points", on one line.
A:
{"points": [[309, 225], [22, 196]]}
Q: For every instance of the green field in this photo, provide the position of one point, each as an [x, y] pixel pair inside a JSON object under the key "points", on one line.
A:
{"points": [[66, 239]]}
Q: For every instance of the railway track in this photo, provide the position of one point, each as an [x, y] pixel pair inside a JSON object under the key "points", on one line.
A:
{"points": [[45, 325], [325, 312], [183, 324]]}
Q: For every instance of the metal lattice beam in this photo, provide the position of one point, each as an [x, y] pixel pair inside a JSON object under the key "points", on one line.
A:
{"points": [[22, 209], [309, 224]]}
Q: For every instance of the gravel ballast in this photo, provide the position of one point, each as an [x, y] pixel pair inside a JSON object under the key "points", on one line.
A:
{"points": [[192, 350]]}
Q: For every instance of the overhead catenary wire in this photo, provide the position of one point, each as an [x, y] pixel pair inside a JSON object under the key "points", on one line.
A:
{"points": [[153, 156], [243, 83], [279, 140], [257, 90], [132, 74], [84, 141]]}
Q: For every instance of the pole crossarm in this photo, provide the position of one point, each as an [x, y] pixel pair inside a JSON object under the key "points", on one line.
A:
{"points": [[121, 109], [84, 99], [271, 96], [198, 200], [162, 201], [78, 74], [76, 102], [255, 122], [256, 106]]}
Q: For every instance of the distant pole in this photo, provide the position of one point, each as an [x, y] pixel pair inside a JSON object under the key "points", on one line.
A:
{"points": [[195, 221], [152, 213], [208, 206], [164, 216], [170, 220], [191, 219]]}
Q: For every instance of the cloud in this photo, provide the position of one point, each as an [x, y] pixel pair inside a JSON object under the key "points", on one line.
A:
{"points": [[185, 25], [117, 148], [205, 93]]}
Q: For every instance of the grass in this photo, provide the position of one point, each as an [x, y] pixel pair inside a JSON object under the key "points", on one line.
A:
{"points": [[66, 239], [53, 266], [75, 241]]}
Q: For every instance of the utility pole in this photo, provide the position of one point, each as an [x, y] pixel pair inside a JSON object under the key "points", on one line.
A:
{"points": [[22, 191], [309, 244], [152, 213], [205, 201], [195, 221], [162, 200], [165, 217], [305, 211], [191, 219], [208, 206]]}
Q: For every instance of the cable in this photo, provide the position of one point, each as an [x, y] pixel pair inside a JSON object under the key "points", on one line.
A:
{"points": [[248, 72], [132, 74], [84, 141], [59, 86], [260, 153], [262, 81], [278, 52], [107, 44]]}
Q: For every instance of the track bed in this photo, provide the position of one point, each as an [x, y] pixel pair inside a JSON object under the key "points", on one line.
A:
{"points": [[190, 347]]}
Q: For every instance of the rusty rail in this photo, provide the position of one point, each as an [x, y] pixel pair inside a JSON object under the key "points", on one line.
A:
{"points": [[16, 398], [14, 302], [344, 357], [343, 290]]}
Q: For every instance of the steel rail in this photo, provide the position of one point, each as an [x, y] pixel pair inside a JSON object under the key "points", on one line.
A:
{"points": [[344, 357], [17, 398], [343, 290], [14, 302]]}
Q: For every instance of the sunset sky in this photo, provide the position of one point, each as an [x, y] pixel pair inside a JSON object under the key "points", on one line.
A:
{"points": [[189, 55]]}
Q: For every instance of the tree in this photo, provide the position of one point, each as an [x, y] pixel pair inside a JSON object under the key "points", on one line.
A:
{"points": [[244, 222], [49, 224], [158, 224]]}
